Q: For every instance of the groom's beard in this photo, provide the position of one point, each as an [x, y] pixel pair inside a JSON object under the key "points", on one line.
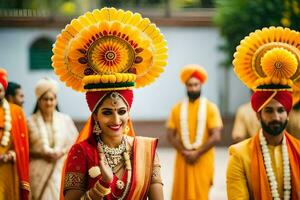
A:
{"points": [[274, 128]]}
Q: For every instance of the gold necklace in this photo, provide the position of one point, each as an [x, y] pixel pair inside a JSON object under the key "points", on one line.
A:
{"points": [[114, 155]]}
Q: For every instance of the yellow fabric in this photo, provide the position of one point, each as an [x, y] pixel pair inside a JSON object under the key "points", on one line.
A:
{"points": [[239, 185], [293, 126], [9, 180], [193, 182], [246, 123]]}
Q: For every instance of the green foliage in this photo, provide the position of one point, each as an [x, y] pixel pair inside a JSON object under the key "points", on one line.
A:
{"points": [[237, 18]]}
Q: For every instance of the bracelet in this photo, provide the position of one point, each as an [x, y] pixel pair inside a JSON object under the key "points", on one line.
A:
{"points": [[86, 196], [103, 190]]}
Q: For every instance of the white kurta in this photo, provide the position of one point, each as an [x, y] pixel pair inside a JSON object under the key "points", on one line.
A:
{"points": [[45, 177]]}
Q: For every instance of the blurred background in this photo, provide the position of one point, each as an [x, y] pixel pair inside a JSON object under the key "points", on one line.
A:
{"points": [[204, 32]]}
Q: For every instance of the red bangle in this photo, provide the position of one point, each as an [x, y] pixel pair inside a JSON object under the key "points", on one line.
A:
{"points": [[104, 183]]}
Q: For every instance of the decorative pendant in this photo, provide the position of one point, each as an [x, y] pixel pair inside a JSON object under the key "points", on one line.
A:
{"points": [[120, 184]]}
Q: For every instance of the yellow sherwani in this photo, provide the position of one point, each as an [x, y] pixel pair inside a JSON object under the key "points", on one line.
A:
{"points": [[9, 180], [239, 183], [246, 123], [293, 126], [193, 181]]}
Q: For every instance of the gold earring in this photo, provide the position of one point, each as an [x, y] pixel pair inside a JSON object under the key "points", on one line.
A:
{"points": [[96, 129], [127, 129]]}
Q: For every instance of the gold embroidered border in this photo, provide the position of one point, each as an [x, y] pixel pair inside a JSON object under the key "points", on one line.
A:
{"points": [[75, 180]]}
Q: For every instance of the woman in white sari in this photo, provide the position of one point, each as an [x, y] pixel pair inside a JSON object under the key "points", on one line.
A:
{"points": [[51, 133]]}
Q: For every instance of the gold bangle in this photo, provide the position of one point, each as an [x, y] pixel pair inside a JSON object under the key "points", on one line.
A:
{"points": [[86, 196], [103, 190], [95, 192]]}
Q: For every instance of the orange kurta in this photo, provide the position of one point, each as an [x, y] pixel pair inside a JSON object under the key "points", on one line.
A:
{"points": [[193, 181], [244, 167], [14, 179]]}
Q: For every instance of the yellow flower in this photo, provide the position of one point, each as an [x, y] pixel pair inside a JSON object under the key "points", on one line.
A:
{"points": [[295, 7], [285, 22], [109, 41], [68, 8], [252, 49], [279, 63], [110, 54]]}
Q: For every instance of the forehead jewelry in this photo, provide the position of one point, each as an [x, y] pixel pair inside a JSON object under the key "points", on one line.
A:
{"points": [[115, 97]]}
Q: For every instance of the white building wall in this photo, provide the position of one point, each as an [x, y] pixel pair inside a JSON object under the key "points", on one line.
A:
{"points": [[186, 45]]}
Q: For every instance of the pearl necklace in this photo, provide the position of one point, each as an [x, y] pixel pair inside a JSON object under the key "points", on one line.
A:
{"points": [[270, 173], [201, 123], [7, 123], [43, 131], [114, 155]]}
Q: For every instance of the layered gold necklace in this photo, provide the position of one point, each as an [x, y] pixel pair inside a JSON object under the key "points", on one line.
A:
{"points": [[114, 155]]}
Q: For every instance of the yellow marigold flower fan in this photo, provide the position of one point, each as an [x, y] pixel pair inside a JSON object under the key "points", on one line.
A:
{"points": [[109, 49], [268, 59]]}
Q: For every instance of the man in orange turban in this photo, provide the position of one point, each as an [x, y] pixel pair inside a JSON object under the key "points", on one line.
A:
{"points": [[266, 166], [194, 128], [14, 154]]}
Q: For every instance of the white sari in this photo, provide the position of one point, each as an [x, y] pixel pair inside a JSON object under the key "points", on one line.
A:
{"points": [[45, 177]]}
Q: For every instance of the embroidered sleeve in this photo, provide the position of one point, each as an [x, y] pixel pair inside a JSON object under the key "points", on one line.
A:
{"points": [[156, 175], [76, 168]]}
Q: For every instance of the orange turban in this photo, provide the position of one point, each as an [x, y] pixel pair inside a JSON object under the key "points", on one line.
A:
{"points": [[260, 98], [3, 78], [195, 71]]}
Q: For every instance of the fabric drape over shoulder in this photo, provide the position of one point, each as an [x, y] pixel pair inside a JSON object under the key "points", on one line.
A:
{"points": [[20, 169], [246, 174], [84, 155]]}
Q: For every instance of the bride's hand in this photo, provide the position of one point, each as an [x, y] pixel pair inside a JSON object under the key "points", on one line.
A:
{"points": [[106, 171]]}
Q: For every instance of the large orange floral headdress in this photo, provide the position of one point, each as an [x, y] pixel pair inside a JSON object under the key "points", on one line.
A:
{"points": [[109, 49], [267, 61]]}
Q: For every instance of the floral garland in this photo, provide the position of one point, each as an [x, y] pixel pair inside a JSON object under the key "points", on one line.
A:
{"points": [[270, 173], [43, 131], [7, 123], [201, 123]]}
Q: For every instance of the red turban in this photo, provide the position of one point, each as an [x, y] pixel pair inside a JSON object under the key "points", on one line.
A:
{"points": [[260, 98], [3, 78], [94, 98]]}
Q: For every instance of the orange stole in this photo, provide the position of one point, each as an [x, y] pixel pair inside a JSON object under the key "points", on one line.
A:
{"points": [[260, 183], [19, 134], [144, 152]]}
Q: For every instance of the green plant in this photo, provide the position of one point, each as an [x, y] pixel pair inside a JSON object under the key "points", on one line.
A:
{"points": [[237, 18]]}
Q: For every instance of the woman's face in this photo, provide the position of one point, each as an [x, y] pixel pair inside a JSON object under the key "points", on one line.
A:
{"points": [[47, 102], [112, 116]]}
